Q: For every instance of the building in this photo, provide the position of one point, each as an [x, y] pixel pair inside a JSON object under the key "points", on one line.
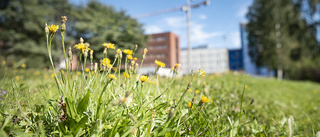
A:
{"points": [[203, 57], [235, 59], [164, 47], [249, 67]]}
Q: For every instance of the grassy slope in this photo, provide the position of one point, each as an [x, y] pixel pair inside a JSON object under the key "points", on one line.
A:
{"points": [[276, 100]]}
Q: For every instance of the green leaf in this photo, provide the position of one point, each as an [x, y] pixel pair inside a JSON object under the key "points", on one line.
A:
{"points": [[83, 104], [71, 109], [62, 128], [79, 125], [99, 100]]}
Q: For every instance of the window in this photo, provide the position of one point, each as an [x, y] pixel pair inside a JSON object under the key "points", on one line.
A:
{"points": [[159, 38]]}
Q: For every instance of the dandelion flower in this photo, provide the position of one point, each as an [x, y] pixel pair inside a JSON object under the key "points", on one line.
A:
{"points": [[106, 62], [144, 78], [204, 99], [160, 64], [109, 45], [118, 51], [135, 58], [129, 57], [86, 69], [128, 51], [23, 65], [126, 75], [197, 91], [112, 76], [53, 28], [190, 104], [80, 47], [177, 65], [201, 72]]}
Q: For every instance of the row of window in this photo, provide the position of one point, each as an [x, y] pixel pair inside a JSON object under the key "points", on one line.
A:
{"points": [[160, 55], [158, 39], [158, 47]]}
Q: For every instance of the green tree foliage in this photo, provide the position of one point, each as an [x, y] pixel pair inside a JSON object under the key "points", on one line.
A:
{"points": [[297, 37], [99, 24], [22, 23], [23, 37]]}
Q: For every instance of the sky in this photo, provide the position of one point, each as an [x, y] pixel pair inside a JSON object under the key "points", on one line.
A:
{"points": [[216, 25]]}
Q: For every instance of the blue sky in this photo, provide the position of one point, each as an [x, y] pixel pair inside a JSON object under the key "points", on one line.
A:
{"points": [[217, 24]]}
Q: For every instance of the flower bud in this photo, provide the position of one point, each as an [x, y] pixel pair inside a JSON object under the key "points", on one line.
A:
{"points": [[95, 67], [70, 53], [63, 24], [46, 29], [81, 40], [91, 55]]}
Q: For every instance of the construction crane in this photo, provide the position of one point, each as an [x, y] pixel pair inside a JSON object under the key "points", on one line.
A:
{"points": [[187, 10]]}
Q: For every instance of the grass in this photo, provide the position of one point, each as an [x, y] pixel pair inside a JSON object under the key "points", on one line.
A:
{"points": [[274, 102], [104, 102]]}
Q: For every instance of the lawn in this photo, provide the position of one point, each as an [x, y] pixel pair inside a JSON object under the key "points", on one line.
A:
{"points": [[159, 106]]}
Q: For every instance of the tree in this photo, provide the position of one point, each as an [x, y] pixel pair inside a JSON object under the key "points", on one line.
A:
{"points": [[23, 37], [22, 30], [99, 24], [279, 22]]}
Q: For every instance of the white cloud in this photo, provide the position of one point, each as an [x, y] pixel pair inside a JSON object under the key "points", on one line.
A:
{"points": [[202, 16], [176, 22], [151, 29], [199, 36]]}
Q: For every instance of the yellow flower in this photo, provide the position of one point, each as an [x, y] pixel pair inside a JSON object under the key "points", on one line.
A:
{"points": [[144, 78], [106, 62], [129, 57], [109, 45], [197, 91], [118, 51], [53, 28], [177, 66], [201, 72], [190, 90], [128, 51], [126, 75], [190, 104], [152, 82], [52, 75], [36, 73], [80, 47], [86, 69], [135, 58], [78, 73], [204, 99], [112, 76], [17, 78], [23, 65], [3, 62], [160, 64]]}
